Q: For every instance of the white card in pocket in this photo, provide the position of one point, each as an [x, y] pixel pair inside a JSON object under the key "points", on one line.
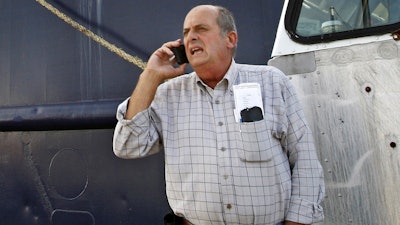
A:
{"points": [[247, 96]]}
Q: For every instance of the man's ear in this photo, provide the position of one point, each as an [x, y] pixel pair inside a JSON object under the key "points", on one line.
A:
{"points": [[232, 38]]}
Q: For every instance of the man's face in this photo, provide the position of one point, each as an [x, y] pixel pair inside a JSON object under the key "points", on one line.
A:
{"points": [[205, 46]]}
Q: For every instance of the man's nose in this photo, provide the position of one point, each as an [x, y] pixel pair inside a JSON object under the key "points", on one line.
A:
{"points": [[192, 35]]}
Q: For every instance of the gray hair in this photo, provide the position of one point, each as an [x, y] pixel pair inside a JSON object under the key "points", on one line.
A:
{"points": [[226, 22]]}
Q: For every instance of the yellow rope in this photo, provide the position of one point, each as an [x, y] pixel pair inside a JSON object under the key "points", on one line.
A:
{"points": [[133, 59]]}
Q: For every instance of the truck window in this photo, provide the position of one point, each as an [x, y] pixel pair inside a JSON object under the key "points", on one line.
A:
{"points": [[313, 21]]}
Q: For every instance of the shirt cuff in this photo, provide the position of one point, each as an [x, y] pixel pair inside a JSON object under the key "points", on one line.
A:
{"points": [[304, 211], [138, 123]]}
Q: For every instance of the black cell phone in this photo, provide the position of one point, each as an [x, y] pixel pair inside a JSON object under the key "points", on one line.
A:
{"points": [[180, 54], [251, 114]]}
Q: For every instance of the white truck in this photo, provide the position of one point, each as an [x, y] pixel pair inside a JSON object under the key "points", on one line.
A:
{"points": [[343, 57]]}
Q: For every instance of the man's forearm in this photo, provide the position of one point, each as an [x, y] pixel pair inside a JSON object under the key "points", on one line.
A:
{"points": [[143, 94]]}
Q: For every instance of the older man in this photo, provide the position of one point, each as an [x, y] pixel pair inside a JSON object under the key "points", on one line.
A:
{"points": [[220, 168]]}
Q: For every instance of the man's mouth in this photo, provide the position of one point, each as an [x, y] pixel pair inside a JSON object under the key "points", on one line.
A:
{"points": [[194, 51]]}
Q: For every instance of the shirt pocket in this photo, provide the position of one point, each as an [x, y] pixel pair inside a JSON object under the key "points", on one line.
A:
{"points": [[255, 142]]}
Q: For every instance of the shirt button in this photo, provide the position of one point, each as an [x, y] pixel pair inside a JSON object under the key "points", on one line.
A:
{"points": [[220, 123], [217, 102], [223, 149], [226, 177], [229, 206]]}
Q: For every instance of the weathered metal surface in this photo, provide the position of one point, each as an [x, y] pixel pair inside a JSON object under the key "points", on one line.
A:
{"points": [[352, 103]]}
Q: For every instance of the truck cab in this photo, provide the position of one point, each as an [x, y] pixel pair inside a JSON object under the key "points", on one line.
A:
{"points": [[343, 58]]}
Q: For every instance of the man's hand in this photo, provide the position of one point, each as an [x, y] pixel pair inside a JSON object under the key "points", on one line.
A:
{"points": [[162, 62], [160, 67]]}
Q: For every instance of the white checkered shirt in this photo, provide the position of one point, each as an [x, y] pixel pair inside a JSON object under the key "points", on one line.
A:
{"points": [[219, 171]]}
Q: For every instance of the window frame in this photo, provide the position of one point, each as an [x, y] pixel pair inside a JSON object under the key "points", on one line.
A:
{"points": [[292, 17]]}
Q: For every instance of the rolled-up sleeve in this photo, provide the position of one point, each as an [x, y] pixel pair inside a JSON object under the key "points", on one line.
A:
{"points": [[308, 188], [137, 137]]}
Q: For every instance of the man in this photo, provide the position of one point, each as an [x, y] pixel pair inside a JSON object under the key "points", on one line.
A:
{"points": [[219, 169]]}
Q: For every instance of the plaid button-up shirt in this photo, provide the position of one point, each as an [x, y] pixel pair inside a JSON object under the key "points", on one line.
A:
{"points": [[219, 171]]}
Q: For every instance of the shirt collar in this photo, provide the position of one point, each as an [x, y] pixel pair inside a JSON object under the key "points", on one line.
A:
{"points": [[229, 77]]}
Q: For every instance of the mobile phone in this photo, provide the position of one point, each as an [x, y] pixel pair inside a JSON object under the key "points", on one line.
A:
{"points": [[251, 114], [180, 54]]}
